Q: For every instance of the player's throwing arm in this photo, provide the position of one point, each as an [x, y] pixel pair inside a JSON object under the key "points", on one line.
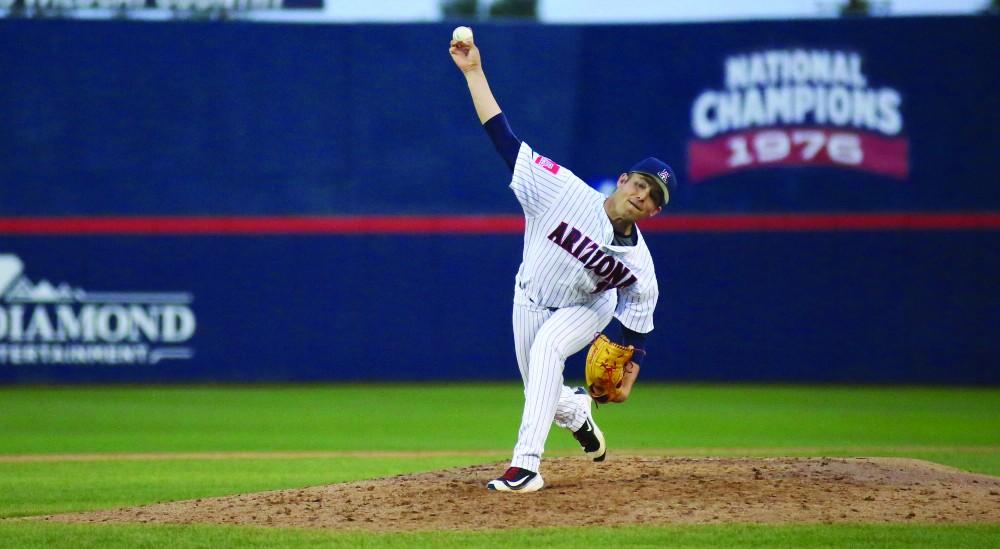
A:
{"points": [[464, 52]]}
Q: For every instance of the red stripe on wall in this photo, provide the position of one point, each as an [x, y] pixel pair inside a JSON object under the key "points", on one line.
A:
{"points": [[824, 222], [491, 224], [263, 225]]}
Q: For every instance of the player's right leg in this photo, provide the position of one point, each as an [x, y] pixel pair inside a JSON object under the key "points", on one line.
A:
{"points": [[574, 408], [574, 413]]}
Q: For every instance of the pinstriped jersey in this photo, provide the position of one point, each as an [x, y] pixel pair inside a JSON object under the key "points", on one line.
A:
{"points": [[569, 257]]}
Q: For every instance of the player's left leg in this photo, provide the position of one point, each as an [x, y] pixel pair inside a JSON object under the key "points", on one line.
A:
{"points": [[528, 318], [567, 331]]}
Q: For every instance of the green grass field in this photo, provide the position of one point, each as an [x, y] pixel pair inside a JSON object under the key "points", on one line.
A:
{"points": [[179, 443]]}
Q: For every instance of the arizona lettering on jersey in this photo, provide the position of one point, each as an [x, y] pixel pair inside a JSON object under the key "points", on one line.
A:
{"points": [[569, 257], [595, 260]]}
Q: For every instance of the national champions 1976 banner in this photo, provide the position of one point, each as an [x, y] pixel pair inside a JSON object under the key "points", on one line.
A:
{"points": [[797, 107]]}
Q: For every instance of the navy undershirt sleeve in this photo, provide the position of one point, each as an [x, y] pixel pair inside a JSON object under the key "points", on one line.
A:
{"points": [[506, 143], [635, 339]]}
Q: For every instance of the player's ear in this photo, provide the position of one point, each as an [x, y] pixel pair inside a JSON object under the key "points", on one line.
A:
{"points": [[622, 179], [656, 211]]}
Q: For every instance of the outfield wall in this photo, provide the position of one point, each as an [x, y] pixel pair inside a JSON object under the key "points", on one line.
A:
{"points": [[239, 202]]}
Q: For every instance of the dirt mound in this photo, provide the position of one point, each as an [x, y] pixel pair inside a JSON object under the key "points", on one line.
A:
{"points": [[632, 489]]}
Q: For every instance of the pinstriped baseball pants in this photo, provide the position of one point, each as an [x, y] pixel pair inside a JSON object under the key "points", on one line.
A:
{"points": [[543, 339]]}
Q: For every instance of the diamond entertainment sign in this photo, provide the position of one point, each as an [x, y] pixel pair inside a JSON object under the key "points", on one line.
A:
{"points": [[45, 323]]}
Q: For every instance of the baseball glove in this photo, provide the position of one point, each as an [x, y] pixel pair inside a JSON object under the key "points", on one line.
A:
{"points": [[605, 369]]}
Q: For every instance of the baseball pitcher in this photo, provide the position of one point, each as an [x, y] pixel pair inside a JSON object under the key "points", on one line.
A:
{"points": [[584, 263]]}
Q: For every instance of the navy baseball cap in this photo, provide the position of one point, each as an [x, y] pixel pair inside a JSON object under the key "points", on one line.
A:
{"points": [[661, 172]]}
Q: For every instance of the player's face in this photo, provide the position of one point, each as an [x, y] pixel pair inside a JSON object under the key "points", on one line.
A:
{"points": [[635, 198]]}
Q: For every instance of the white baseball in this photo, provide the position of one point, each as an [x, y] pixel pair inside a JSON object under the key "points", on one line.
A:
{"points": [[462, 34]]}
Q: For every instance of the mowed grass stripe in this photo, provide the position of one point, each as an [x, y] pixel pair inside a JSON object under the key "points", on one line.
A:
{"points": [[170, 456], [474, 417], [486, 453], [285, 432], [35, 534]]}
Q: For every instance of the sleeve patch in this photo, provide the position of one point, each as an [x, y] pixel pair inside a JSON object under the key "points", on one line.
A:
{"points": [[547, 164]]}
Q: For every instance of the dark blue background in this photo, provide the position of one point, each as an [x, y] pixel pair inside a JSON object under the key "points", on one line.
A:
{"points": [[238, 118], [832, 307], [139, 118]]}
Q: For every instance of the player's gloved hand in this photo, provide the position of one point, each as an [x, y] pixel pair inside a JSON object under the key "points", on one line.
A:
{"points": [[610, 371]]}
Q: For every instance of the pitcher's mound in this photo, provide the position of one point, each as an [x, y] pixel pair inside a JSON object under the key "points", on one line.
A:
{"points": [[623, 490]]}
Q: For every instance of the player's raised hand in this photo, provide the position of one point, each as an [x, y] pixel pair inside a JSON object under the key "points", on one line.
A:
{"points": [[465, 55]]}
